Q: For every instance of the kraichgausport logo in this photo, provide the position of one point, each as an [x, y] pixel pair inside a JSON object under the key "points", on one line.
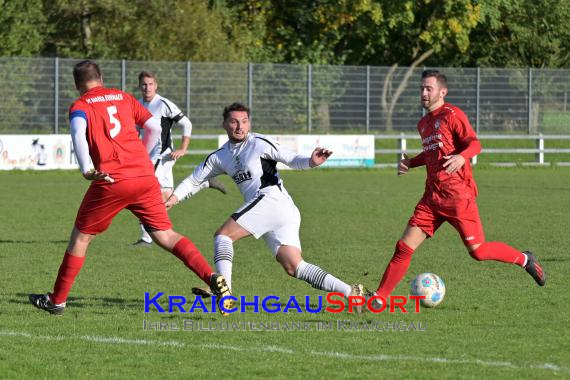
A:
{"points": [[334, 302]]}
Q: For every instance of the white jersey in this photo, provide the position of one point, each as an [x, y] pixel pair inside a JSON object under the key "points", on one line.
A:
{"points": [[169, 114], [251, 164]]}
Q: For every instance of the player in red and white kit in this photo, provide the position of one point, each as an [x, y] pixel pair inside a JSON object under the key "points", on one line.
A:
{"points": [[103, 128], [448, 143]]}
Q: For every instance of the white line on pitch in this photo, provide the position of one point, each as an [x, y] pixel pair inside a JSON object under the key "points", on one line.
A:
{"points": [[337, 355]]}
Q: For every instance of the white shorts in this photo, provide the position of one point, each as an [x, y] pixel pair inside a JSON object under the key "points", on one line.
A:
{"points": [[274, 216], [163, 172]]}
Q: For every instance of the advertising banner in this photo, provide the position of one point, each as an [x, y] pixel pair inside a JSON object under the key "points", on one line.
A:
{"points": [[40, 152]]}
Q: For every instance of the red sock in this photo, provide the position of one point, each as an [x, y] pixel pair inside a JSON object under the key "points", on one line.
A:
{"points": [[396, 269], [68, 270], [499, 252], [186, 251]]}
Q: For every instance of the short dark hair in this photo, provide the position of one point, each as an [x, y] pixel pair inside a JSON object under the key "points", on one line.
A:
{"points": [[235, 107], [147, 74], [86, 71], [439, 76]]}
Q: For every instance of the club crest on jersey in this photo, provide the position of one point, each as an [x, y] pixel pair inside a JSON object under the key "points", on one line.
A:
{"points": [[240, 177], [436, 126], [238, 165]]}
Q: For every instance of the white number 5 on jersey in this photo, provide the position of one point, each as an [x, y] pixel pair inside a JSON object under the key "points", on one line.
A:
{"points": [[112, 111]]}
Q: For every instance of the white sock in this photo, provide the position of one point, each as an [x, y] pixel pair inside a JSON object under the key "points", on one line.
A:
{"points": [[144, 235], [223, 257], [525, 260], [320, 279]]}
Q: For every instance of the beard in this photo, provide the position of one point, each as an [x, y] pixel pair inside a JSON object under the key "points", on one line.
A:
{"points": [[429, 103]]}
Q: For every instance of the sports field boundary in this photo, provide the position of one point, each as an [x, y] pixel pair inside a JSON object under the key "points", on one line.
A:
{"points": [[549, 367]]}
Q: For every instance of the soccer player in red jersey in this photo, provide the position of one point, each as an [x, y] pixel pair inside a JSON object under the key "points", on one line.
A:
{"points": [[448, 143], [103, 128]]}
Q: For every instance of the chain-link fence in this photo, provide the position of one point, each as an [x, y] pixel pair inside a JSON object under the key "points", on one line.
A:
{"points": [[296, 98]]}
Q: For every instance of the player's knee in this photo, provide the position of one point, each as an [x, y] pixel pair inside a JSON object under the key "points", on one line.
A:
{"points": [[222, 231], [166, 239], [290, 270], [81, 237], [475, 256], [476, 253], [288, 267]]}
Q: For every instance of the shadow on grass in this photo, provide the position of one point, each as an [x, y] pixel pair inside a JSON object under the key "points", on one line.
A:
{"points": [[95, 302], [33, 241], [555, 259]]}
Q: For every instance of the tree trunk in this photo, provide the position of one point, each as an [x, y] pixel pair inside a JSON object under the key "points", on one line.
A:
{"points": [[323, 111], [86, 27], [388, 107], [535, 120]]}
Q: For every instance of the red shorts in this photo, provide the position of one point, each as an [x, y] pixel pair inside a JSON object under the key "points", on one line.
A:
{"points": [[464, 216], [103, 201]]}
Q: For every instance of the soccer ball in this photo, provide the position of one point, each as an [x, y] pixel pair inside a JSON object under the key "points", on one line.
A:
{"points": [[431, 286]]}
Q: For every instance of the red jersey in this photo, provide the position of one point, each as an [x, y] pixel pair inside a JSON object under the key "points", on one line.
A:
{"points": [[444, 132], [114, 143]]}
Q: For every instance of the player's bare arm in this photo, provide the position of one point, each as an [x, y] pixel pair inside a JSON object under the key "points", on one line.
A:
{"points": [[179, 153], [319, 156], [186, 125]]}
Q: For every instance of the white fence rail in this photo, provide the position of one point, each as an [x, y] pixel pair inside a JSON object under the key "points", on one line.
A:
{"points": [[402, 145], [539, 149]]}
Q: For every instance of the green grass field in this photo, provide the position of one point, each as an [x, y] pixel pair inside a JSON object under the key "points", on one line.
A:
{"points": [[495, 322]]}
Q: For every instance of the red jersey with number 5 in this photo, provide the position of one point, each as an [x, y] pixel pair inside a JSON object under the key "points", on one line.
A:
{"points": [[446, 131], [114, 143]]}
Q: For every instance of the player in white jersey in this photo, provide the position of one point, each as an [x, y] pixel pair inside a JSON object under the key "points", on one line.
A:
{"points": [[268, 212], [163, 155]]}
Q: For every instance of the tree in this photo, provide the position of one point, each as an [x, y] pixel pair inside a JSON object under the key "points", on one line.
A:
{"points": [[21, 27], [522, 33], [366, 32], [315, 32], [158, 30]]}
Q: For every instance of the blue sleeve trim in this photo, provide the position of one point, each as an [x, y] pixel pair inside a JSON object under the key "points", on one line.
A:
{"points": [[78, 113]]}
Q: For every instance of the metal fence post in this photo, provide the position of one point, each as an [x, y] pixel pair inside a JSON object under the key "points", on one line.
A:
{"points": [[529, 100], [123, 74], [477, 102], [250, 85], [367, 99], [56, 97], [188, 88], [309, 97]]}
